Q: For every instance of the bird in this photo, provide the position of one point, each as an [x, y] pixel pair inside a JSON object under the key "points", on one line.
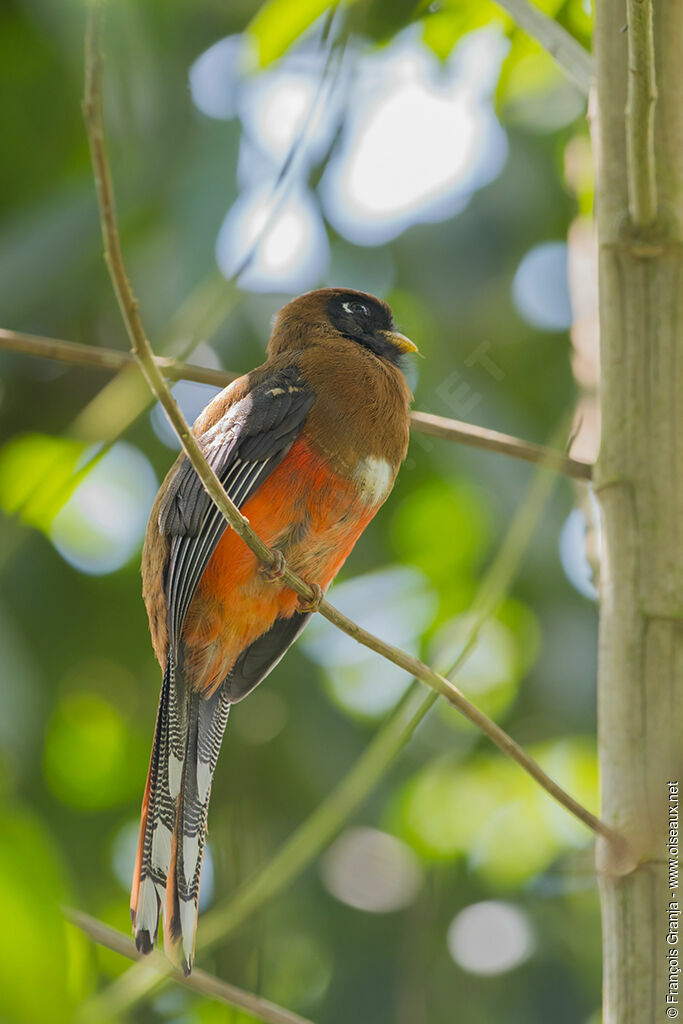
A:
{"points": [[307, 446]]}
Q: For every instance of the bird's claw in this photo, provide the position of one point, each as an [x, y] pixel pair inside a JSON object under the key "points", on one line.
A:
{"points": [[276, 571], [274, 574], [311, 604]]}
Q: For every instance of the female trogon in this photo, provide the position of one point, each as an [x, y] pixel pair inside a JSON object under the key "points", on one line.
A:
{"points": [[308, 446]]}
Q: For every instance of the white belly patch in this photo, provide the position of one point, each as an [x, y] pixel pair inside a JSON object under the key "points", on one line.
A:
{"points": [[373, 478]]}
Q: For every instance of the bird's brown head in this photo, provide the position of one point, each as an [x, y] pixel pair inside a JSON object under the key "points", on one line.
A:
{"points": [[329, 314]]}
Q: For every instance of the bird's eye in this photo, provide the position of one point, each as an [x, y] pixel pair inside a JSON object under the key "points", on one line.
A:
{"points": [[355, 308]]}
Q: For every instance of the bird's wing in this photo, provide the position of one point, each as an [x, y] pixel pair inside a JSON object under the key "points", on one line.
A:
{"points": [[263, 654], [243, 448]]}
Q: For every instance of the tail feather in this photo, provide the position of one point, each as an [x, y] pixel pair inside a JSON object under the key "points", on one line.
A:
{"points": [[213, 718], [187, 740], [183, 883], [177, 716], [206, 725], [164, 803], [144, 898]]}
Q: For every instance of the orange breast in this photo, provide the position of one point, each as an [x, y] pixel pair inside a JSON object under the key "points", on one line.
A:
{"points": [[314, 516]]}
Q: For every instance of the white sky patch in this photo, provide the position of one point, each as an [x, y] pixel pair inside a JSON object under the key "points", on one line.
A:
{"points": [[288, 239], [418, 139], [490, 937], [289, 106]]}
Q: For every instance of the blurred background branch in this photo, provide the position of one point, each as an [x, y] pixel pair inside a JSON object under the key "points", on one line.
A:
{"points": [[199, 981], [574, 60]]}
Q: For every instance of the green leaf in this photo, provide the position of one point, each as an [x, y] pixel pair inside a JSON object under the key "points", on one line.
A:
{"points": [[489, 676], [438, 509], [445, 27], [89, 762], [41, 970], [495, 815], [38, 473], [279, 23], [527, 69], [578, 17]]}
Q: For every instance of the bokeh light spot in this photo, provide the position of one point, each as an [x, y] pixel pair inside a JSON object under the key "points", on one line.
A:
{"points": [[39, 987], [395, 603], [490, 674], [490, 937], [490, 813], [419, 138], [370, 870], [103, 523], [283, 108], [285, 241], [573, 556], [540, 287], [191, 396], [439, 509], [214, 77]]}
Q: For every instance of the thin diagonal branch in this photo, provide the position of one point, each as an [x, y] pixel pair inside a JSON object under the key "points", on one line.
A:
{"points": [[143, 353], [574, 60], [640, 114], [327, 819], [199, 981], [173, 369]]}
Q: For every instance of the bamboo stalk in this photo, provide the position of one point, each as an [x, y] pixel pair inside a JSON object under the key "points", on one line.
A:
{"points": [[638, 483]]}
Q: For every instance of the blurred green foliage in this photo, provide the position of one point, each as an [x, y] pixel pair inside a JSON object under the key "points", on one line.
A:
{"points": [[38, 473], [79, 684]]}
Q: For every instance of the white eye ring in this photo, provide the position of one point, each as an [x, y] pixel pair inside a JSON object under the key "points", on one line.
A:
{"points": [[347, 307]]}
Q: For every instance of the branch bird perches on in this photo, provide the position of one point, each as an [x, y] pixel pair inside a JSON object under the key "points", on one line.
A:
{"points": [[172, 369]]}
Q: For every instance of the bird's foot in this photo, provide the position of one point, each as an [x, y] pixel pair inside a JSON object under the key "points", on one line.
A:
{"points": [[276, 571], [311, 604]]}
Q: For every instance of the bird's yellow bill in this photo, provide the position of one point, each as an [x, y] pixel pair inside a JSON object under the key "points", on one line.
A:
{"points": [[400, 341]]}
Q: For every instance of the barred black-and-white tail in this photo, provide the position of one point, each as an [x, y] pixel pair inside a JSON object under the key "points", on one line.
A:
{"points": [[187, 739]]}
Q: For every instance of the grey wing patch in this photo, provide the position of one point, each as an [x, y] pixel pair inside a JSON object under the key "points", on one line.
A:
{"points": [[263, 655], [243, 448], [182, 511]]}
